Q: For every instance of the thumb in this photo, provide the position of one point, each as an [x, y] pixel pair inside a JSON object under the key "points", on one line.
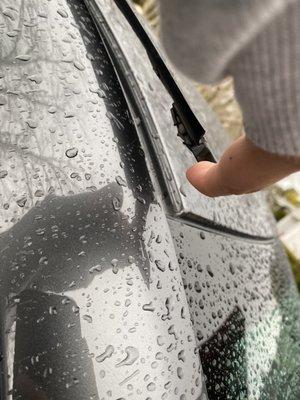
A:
{"points": [[204, 176]]}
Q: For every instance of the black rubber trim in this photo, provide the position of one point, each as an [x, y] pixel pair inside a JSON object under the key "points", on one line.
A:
{"points": [[209, 226]]}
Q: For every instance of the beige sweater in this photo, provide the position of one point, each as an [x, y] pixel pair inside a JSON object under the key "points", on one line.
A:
{"points": [[256, 41]]}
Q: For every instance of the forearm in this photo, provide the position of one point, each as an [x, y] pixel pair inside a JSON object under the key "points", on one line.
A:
{"points": [[201, 37], [267, 84]]}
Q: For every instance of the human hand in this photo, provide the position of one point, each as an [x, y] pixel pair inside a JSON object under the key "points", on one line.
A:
{"points": [[243, 168]]}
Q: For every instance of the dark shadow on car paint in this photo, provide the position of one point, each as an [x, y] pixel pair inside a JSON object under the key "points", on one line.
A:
{"points": [[53, 359], [65, 241]]}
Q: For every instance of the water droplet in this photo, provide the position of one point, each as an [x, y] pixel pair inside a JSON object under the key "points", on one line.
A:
{"points": [[32, 123], [36, 78], [65, 301], [179, 372], [158, 239], [181, 356], [12, 33], [39, 193], [199, 335], [52, 110], [69, 114], [167, 385], [166, 316], [208, 269], [132, 354], [88, 318], [75, 175], [116, 203], [127, 302], [197, 287], [21, 202], [42, 14], [171, 331], [71, 153], [8, 13], [76, 310], [160, 340], [121, 181], [148, 307], [182, 190], [151, 387], [137, 121], [43, 260], [130, 259], [23, 57], [79, 66], [97, 268], [52, 310], [63, 13], [102, 373], [114, 264], [106, 354], [160, 265], [3, 174], [141, 200]]}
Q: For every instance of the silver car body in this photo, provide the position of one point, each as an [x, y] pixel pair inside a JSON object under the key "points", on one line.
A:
{"points": [[118, 280]]}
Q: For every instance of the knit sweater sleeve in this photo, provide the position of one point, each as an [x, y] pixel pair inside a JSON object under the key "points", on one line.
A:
{"points": [[258, 43]]}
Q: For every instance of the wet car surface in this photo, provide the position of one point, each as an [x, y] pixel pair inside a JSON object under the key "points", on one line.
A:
{"points": [[117, 281]]}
